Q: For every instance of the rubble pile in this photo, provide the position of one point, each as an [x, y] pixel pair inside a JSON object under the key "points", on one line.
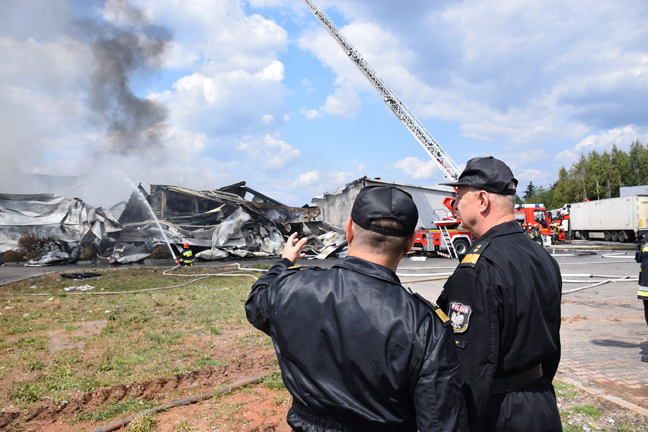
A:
{"points": [[234, 221]]}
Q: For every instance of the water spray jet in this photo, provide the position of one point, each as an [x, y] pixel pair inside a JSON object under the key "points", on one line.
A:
{"points": [[143, 199]]}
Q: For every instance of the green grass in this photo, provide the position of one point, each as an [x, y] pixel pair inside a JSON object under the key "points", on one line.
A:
{"points": [[206, 360], [588, 410], [145, 335], [565, 390], [581, 412], [142, 424], [273, 382]]}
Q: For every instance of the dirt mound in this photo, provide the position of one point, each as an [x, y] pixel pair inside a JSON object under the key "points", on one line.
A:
{"points": [[159, 389]]}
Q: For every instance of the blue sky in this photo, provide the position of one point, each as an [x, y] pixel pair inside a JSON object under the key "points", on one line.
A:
{"points": [[256, 90]]}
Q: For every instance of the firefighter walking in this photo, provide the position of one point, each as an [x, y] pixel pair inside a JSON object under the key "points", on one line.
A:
{"points": [[642, 258], [187, 257]]}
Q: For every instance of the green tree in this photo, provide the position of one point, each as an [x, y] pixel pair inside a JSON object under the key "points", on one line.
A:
{"points": [[637, 160], [594, 176], [563, 189], [529, 192], [578, 174], [620, 171]]}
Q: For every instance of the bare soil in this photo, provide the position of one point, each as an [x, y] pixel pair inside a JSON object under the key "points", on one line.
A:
{"points": [[253, 408]]}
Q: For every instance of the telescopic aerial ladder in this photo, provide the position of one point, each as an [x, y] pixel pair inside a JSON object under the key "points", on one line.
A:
{"points": [[429, 144], [427, 141]]}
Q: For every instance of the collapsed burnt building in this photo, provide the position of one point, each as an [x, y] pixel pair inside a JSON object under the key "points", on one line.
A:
{"points": [[232, 221]]}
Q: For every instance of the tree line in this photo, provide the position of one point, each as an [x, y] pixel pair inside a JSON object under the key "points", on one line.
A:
{"points": [[594, 176]]}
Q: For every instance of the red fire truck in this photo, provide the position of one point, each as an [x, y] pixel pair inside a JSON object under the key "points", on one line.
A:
{"points": [[447, 238], [536, 215]]}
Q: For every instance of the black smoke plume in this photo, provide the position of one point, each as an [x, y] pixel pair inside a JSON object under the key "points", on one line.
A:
{"points": [[130, 49]]}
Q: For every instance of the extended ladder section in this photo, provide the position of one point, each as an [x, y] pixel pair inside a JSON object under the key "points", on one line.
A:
{"points": [[448, 242], [429, 144]]}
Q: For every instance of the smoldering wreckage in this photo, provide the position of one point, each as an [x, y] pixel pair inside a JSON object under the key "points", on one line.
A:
{"points": [[233, 221]]}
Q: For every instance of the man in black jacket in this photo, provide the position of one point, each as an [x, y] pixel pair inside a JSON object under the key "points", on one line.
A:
{"points": [[504, 304], [357, 351]]}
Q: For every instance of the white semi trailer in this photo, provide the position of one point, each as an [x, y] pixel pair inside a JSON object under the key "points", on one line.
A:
{"points": [[615, 219]]}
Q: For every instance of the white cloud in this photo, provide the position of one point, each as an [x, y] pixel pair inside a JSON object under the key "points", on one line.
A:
{"points": [[310, 114], [323, 180], [519, 72], [603, 141], [236, 97], [622, 137], [416, 168], [308, 178], [269, 152], [344, 103], [539, 82], [539, 177]]}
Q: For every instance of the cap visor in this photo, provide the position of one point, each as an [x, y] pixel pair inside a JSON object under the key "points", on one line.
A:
{"points": [[453, 184]]}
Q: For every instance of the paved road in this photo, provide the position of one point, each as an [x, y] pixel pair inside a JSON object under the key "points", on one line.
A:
{"points": [[603, 331]]}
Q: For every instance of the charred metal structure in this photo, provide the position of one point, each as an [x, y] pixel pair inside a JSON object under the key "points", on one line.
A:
{"points": [[231, 221]]}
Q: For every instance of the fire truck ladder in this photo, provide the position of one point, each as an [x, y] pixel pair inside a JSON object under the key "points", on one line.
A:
{"points": [[429, 144], [448, 241]]}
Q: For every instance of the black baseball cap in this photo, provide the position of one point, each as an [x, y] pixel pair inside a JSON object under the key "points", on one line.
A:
{"points": [[385, 202], [489, 174]]}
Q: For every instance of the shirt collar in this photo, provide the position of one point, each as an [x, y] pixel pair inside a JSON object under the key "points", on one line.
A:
{"points": [[368, 268], [505, 228]]}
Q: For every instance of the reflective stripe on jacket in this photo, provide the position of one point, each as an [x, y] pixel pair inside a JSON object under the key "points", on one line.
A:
{"points": [[188, 256]]}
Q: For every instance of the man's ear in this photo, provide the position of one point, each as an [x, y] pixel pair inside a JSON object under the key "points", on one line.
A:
{"points": [[410, 243], [349, 230], [484, 201]]}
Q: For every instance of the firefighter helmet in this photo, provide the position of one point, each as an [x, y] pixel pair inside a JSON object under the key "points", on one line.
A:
{"points": [[186, 245]]}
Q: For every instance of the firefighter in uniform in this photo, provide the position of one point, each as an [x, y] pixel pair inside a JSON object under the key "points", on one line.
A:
{"points": [[187, 257], [531, 233], [504, 304], [536, 235], [642, 294], [555, 228], [357, 350]]}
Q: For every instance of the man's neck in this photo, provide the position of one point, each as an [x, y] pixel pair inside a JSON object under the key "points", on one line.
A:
{"points": [[391, 264], [488, 224]]}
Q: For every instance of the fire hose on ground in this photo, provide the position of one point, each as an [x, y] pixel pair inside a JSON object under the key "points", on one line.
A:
{"points": [[164, 273], [187, 401]]}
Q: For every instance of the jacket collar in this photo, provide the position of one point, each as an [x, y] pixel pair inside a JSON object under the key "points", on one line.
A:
{"points": [[505, 228], [368, 268]]}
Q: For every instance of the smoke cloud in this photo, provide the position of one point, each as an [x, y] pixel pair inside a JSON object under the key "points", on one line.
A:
{"points": [[73, 105], [127, 48]]}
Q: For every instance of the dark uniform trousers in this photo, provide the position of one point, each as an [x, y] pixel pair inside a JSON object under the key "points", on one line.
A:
{"points": [[504, 304], [357, 351]]}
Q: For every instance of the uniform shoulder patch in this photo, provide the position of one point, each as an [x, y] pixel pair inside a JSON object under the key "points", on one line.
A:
{"points": [[304, 267], [460, 316], [471, 258], [297, 268], [437, 310]]}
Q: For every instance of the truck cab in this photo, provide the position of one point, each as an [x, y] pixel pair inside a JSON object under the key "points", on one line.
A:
{"points": [[536, 215]]}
